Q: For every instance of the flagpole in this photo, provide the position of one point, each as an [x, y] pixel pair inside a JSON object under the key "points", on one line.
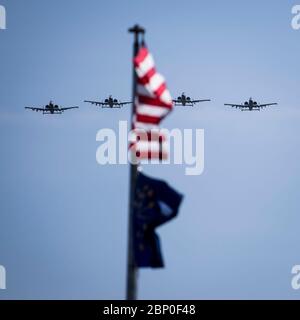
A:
{"points": [[131, 290]]}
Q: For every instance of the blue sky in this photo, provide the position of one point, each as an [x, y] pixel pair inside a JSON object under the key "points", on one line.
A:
{"points": [[63, 229]]}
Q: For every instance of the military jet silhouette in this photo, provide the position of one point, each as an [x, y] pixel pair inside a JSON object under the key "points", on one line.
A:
{"points": [[51, 108], [250, 105], [184, 100], [110, 102]]}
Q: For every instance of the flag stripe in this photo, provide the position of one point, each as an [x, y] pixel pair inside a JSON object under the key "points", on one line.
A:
{"points": [[142, 55], [161, 89], [155, 102], [153, 83], [146, 78], [148, 119], [166, 97], [148, 110]]}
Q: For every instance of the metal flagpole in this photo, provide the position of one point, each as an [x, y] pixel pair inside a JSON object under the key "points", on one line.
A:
{"points": [[131, 291]]}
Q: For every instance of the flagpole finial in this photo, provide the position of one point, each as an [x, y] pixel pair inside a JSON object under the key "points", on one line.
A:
{"points": [[137, 29]]}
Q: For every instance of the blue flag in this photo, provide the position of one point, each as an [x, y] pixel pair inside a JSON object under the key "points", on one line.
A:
{"points": [[155, 204]]}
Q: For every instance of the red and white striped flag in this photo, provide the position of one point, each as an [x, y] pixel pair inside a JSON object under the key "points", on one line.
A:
{"points": [[153, 103]]}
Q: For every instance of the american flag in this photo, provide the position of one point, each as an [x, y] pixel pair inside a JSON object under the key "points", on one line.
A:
{"points": [[153, 103]]}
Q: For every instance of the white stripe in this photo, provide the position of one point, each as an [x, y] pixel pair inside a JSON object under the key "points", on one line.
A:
{"points": [[145, 66], [153, 111], [166, 97], [155, 82]]}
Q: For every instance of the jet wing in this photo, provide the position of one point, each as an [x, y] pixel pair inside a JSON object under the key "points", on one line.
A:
{"points": [[178, 102], [236, 105], [197, 101], [35, 109], [63, 109], [267, 105], [124, 103], [97, 103]]}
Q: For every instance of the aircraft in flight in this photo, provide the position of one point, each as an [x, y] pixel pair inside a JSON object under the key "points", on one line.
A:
{"points": [[250, 105], [51, 108], [110, 102], [184, 100]]}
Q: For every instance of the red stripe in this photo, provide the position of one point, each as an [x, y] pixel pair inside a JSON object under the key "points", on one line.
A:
{"points": [[141, 56], [155, 102], [146, 78], [148, 119], [161, 89]]}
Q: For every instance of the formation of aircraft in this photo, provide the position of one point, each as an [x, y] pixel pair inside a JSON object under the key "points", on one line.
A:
{"points": [[110, 102], [184, 100], [250, 105], [51, 108]]}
